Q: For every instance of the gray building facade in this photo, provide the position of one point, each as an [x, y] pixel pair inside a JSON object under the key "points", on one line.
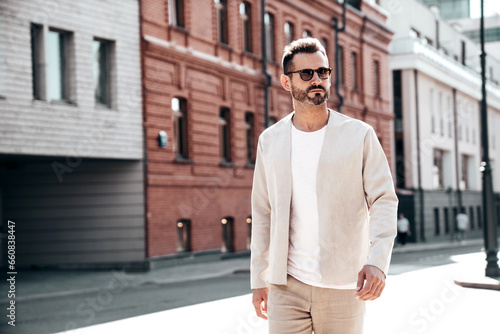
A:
{"points": [[71, 136]]}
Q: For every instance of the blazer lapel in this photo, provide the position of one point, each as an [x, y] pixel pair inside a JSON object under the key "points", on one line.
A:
{"points": [[283, 161]]}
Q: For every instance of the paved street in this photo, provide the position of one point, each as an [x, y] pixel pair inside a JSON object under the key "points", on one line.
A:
{"points": [[420, 298]]}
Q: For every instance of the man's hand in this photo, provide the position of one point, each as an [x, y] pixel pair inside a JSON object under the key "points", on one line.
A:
{"points": [[260, 302], [371, 283]]}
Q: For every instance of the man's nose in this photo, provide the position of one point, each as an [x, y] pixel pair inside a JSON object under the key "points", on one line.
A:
{"points": [[316, 79]]}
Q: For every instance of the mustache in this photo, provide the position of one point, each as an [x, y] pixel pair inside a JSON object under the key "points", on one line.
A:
{"points": [[316, 87]]}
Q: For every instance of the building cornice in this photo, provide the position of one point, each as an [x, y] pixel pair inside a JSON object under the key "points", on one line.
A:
{"points": [[410, 53], [201, 57]]}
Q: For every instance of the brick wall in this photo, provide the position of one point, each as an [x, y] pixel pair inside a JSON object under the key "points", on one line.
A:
{"points": [[188, 62]]}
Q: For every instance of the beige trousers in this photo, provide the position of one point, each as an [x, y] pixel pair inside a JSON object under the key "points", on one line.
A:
{"points": [[299, 308]]}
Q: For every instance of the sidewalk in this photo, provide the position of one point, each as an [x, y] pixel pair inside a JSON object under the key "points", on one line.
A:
{"points": [[50, 283], [422, 301]]}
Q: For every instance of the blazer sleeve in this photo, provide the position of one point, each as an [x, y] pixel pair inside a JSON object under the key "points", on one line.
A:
{"points": [[261, 217], [381, 200]]}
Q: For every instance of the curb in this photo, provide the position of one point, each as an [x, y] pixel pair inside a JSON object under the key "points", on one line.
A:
{"points": [[479, 285], [132, 286], [435, 246]]}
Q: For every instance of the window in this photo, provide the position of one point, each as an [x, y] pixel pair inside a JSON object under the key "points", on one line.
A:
{"points": [[376, 66], [414, 33], [440, 111], [355, 3], [101, 56], [179, 109], [354, 60], [222, 18], [225, 135], [227, 235], [479, 217], [246, 18], [176, 10], [306, 34], [455, 213], [450, 117], [289, 33], [433, 111], [269, 23], [37, 62], [52, 68], [437, 169], [250, 130], [463, 53], [340, 64], [464, 179], [58, 44], [436, 222], [184, 235]]}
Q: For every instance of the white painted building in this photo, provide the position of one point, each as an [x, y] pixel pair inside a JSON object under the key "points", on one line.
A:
{"points": [[470, 28], [436, 87], [71, 138]]}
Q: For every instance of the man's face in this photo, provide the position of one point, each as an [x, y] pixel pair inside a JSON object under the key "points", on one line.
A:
{"points": [[314, 91]]}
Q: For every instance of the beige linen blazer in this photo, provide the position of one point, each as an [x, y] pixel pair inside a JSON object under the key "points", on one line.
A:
{"points": [[357, 204]]}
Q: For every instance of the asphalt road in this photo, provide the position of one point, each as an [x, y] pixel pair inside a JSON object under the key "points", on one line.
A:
{"points": [[64, 312]]}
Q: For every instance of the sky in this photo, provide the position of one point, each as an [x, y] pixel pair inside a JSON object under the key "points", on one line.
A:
{"points": [[490, 8]]}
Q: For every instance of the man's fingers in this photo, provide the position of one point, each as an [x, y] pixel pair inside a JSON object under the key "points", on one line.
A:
{"points": [[261, 309], [259, 302], [365, 291], [372, 289], [361, 280]]}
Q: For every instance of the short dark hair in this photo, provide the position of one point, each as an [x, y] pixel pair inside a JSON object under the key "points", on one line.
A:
{"points": [[303, 45]]}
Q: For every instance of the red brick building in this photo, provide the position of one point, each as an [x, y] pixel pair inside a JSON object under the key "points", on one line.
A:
{"points": [[203, 86]]}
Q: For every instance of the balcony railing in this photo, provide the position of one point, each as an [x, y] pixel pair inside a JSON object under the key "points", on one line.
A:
{"points": [[417, 46]]}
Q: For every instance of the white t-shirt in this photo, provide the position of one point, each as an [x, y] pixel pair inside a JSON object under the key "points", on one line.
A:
{"points": [[304, 247]]}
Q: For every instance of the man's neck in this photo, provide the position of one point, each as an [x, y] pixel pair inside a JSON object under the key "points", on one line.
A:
{"points": [[310, 118]]}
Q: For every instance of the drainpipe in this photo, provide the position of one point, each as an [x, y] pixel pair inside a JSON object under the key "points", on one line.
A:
{"points": [[264, 64], [336, 30], [420, 191]]}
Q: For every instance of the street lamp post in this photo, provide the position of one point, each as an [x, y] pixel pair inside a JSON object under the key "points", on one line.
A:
{"points": [[490, 229]]}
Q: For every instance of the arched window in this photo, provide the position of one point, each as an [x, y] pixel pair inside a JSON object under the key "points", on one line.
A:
{"points": [[179, 109], [222, 18], [269, 23], [246, 18], [225, 135], [289, 32], [250, 135]]}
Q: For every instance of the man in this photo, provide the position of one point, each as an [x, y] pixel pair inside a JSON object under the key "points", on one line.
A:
{"points": [[462, 225], [403, 228], [323, 209]]}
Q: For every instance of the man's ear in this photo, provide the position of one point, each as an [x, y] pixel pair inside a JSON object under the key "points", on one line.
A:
{"points": [[285, 82]]}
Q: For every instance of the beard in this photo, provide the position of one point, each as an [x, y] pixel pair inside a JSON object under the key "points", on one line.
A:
{"points": [[302, 95]]}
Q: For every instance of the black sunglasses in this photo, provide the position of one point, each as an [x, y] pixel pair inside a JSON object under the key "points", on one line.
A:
{"points": [[307, 73]]}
